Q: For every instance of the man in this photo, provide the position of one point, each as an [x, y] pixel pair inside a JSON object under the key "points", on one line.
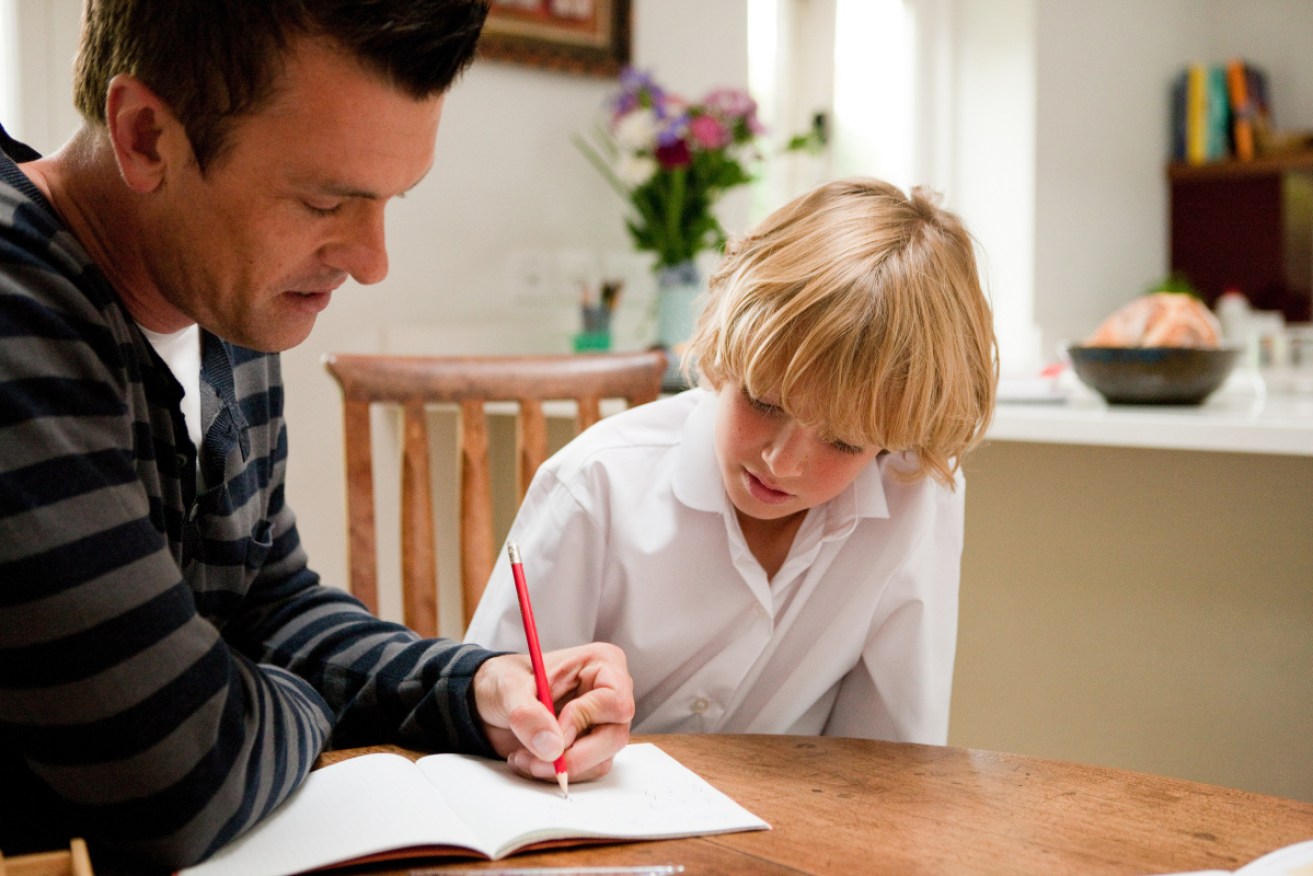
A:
{"points": [[169, 665]]}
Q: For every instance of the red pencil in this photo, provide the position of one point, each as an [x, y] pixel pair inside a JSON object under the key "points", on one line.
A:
{"points": [[536, 653]]}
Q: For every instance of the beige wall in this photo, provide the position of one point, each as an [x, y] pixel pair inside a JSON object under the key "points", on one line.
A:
{"points": [[1145, 609]]}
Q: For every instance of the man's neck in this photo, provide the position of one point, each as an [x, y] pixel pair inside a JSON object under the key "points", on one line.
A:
{"points": [[82, 183]]}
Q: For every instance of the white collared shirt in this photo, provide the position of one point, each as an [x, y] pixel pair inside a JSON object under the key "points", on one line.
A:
{"points": [[627, 536]]}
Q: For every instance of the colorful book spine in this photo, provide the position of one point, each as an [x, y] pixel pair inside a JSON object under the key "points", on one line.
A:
{"points": [[1242, 109], [1178, 117], [1218, 116], [1196, 114]]}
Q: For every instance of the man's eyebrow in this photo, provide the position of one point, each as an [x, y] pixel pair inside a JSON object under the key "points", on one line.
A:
{"points": [[342, 190]]}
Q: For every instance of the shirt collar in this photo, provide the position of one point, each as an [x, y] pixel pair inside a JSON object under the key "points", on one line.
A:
{"points": [[697, 481]]}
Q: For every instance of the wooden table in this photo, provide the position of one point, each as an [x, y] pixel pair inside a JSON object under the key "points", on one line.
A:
{"points": [[860, 806]]}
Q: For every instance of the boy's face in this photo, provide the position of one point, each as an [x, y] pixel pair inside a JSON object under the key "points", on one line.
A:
{"points": [[772, 466]]}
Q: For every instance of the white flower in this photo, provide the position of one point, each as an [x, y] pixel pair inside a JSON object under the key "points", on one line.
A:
{"points": [[637, 130], [634, 170]]}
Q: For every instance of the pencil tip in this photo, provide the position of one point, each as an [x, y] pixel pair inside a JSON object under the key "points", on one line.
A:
{"points": [[563, 779]]}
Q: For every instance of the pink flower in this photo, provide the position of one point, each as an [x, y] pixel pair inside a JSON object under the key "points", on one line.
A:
{"points": [[709, 133], [729, 102]]}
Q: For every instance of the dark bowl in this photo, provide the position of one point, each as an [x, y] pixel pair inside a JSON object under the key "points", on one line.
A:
{"points": [[1153, 375]]}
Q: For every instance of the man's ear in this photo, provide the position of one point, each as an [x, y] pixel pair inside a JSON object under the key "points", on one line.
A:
{"points": [[145, 134]]}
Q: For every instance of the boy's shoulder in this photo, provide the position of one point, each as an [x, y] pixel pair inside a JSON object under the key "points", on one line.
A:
{"points": [[634, 436]]}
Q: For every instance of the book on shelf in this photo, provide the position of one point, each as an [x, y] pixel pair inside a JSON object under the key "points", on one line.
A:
{"points": [[1242, 110], [378, 807], [1261, 113], [1196, 114], [1217, 118], [1219, 111]]}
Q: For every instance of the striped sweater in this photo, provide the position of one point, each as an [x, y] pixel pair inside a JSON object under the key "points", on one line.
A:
{"points": [[169, 666]]}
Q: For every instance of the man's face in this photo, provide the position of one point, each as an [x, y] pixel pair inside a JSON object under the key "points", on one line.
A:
{"points": [[253, 249]]}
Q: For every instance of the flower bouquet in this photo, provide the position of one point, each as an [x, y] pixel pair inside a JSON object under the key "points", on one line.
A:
{"points": [[672, 160]]}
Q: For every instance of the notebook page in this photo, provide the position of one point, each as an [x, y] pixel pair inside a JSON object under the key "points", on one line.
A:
{"points": [[648, 794], [357, 807]]}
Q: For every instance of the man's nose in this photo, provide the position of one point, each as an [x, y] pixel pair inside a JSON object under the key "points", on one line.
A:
{"points": [[361, 250]]}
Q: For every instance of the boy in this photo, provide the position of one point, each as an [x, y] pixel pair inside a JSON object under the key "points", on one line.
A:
{"points": [[778, 550]]}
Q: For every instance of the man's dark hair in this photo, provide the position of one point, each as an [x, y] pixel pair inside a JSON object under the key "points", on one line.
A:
{"points": [[214, 61]]}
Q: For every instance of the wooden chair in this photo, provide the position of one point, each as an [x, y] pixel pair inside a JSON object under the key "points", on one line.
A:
{"points": [[416, 382], [74, 862]]}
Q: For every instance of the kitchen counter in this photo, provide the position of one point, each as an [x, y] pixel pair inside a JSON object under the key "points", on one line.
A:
{"points": [[1228, 422], [1137, 588]]}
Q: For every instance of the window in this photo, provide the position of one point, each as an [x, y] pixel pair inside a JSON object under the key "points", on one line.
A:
{"points": [[841, 69], [938, 93], [9, 72]]}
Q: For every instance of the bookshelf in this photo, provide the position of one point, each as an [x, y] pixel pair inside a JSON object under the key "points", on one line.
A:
{"points": [[1247, 225], [1263, 165]]}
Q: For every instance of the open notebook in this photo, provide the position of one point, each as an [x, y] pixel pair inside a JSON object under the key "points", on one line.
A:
{"points": [[384, 805], [1292, 860]]}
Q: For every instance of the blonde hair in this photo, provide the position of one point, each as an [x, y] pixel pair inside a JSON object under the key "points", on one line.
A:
{"points": [[862, 308]]}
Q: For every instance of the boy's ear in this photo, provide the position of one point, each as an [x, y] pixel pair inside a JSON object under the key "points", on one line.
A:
{"points": [[145, 134]]}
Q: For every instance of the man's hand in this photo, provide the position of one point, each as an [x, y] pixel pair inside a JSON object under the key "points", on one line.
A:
{"points": [[594, 698]]}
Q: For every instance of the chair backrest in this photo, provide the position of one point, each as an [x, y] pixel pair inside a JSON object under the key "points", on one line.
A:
{"points": [[416, 382], [73, 862]]}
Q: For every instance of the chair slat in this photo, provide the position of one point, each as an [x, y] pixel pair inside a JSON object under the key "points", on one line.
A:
{"points": [[361, 544], [74, 862], [419, 553], [475, 506], [532, 444], [590, 411]]}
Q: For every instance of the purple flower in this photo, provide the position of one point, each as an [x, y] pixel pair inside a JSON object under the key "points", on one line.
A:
{"points": [[672, 128]]}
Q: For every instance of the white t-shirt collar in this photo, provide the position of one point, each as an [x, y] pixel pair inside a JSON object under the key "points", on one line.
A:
{"points": [[181, 351]]}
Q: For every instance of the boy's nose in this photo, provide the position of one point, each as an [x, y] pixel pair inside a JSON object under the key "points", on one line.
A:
{"points": [[786, 452]]}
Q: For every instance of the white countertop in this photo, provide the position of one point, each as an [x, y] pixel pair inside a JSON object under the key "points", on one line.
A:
{"points": [[1236, 419], [1228, 422]]}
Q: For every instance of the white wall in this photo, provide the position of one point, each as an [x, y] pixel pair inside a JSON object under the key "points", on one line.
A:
{"points": [[991, 174], [40, 98], [1058, 137], [1103, 137]]}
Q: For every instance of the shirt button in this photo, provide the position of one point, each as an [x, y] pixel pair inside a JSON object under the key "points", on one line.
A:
{"points": [[761, 610], [699, 705]]}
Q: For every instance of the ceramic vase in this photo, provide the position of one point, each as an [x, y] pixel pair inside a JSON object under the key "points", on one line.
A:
{"points": [[678, 300]]}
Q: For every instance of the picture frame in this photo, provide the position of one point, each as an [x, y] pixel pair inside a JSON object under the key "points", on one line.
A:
{"points": [[587, 37]]}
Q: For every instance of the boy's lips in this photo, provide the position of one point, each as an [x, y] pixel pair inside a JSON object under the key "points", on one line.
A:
{"points": [[763, 491]]}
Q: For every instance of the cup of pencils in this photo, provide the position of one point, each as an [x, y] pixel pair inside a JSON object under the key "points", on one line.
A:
{"points": [[596, 314]]}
